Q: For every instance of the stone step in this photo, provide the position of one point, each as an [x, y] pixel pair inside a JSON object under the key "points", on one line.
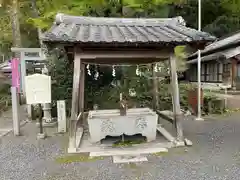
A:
{"points": [[127, 151]]}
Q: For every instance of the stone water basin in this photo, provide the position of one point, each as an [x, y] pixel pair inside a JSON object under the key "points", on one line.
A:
{"points": [[104, 123]]}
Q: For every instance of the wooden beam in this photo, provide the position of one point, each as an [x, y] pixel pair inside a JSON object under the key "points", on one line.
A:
{"points": [[81, 89], [75, 99], [178, 116], [15, 49], [155, 89], [164, 116], [110, 54], [127, 61]]}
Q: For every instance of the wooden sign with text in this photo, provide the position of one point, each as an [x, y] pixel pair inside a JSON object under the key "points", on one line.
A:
{"points": [[38, 89]]}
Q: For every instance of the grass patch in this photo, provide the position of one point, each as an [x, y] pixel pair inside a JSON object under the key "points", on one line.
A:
{"points": [[230, 111], [84, 157], [225, 113], [132, 166], [127, 143], [160, 153]]}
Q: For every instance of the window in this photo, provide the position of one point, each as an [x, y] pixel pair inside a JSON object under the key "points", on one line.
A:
{"points": [[211, 72], [226, 70]]}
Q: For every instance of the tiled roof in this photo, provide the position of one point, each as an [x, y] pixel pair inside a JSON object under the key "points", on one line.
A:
{"points": [[74, 29], [220, 45]]}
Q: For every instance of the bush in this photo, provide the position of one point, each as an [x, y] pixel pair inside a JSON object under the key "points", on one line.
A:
{"points": [[212, 104], [61, 72], [5, 97]]}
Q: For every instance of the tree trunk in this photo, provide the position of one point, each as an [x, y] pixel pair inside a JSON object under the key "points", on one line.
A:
{"points": [[16, 25], [36, 15]]}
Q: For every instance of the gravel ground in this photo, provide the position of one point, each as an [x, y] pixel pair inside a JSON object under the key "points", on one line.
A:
{"points": [[215, 155]]}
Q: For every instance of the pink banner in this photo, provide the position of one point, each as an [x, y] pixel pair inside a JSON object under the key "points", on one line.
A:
{"points": [[15, 74]]}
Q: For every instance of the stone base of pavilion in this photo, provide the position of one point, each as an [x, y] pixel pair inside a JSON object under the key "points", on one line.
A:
{"points": [[163, 142]]}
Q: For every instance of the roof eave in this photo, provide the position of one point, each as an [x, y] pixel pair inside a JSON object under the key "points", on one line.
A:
{"points": [[195, 44], [222, 48], [210, 57]]}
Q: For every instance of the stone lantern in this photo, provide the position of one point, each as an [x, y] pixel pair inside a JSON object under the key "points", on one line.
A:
{"points": [[47, 117]]}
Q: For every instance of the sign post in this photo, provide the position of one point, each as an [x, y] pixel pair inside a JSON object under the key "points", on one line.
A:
{"points": [[41, 134], [38, 91], [15, 111]]}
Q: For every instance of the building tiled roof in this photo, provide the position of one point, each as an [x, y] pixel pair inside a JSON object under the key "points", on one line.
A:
{"points": [[222, 44], [77, 29]]}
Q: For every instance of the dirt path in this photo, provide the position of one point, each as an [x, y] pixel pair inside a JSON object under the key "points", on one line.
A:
{"points": [[215, 155]]}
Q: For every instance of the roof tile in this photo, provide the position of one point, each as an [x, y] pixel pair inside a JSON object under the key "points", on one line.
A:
{"points": [[120, 30]]}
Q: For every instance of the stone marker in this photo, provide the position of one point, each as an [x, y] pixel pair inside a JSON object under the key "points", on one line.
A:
{"points": [[61, 113], [15, 111]]}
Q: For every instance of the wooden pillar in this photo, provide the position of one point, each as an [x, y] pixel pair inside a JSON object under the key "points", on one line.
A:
{"points": [[178, 116], [75, 99], [234, 72], [155, 89], [81, 89], [15, 111], [23, 73]]}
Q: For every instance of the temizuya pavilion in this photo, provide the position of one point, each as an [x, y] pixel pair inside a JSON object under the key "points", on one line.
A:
{"points": [[112, 41]]}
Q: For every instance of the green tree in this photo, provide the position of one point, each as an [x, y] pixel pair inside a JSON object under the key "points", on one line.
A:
{"points": [[219, 17], [232, 7]]}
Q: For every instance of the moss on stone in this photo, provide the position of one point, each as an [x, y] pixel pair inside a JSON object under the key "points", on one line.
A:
{"points": [[127, 143], [83, 157]]}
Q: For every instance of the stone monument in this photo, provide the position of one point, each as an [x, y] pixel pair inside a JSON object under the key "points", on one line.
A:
{"points": [[62, 119]]}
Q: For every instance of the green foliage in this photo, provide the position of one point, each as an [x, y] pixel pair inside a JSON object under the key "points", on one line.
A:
{"points": [[212, 103], [5, 97], [219, 17], [61, 71], [223, 26], [232, 7]]}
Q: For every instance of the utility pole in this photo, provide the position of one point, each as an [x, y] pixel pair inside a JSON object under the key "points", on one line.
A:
{"points": [[199, 66]]}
